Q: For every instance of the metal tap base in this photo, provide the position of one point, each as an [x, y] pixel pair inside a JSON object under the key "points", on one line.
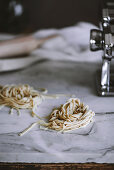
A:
{"points": [[108, 91]]}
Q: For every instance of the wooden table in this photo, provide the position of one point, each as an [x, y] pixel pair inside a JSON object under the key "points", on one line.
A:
{"points": [[67, 166]]}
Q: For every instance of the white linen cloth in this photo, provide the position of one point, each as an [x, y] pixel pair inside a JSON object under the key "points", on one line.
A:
{"points": [[67, 47], [73, 73]]}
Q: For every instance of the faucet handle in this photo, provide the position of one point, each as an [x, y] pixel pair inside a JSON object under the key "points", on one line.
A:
{"points": [[96, 40]]}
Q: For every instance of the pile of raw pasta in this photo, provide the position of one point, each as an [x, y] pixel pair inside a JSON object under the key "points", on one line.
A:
{"points": [[70, 116], [20, 97]]}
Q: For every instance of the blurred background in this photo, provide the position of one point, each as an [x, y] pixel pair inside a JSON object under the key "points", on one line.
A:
{"points": [[20, 16]]}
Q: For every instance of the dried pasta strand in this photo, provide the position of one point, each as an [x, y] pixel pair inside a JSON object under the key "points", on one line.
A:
{"points": [[27, 129], [40, 122]]}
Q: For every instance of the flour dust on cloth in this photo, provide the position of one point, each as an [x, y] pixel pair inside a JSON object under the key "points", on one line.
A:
{"points": [[71, 44]]}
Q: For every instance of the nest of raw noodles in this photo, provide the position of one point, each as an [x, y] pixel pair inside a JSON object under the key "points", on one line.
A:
{"points": [[69, 116], [20, 97]]}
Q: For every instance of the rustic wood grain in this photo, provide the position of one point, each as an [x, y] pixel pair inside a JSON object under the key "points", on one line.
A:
{"points": [[67, 166]]}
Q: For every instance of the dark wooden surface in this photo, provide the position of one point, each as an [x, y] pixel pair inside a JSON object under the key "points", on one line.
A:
{"points": [[67, 166]]}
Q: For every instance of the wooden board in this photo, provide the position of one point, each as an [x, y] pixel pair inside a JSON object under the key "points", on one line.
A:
{"points": [[67, 166]]}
